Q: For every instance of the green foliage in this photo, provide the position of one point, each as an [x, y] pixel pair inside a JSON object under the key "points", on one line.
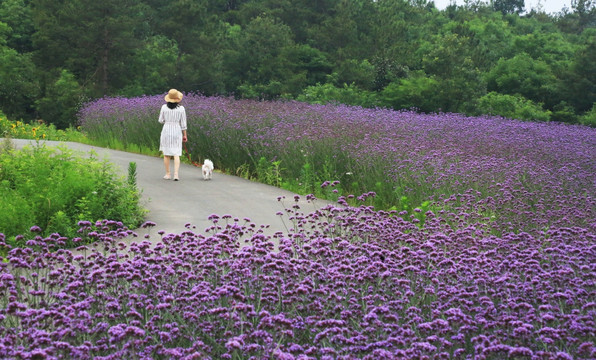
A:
{"points": [[563, 112], [309, 66], [449, 59], [16, 214], [512, 106], [581, 18], [581, 80], [54, 189], [17, 15], [509, 6], [359, 73], [307, 182], [366, 53], [155, 65], [523, 75], [19, 86], [492, 37], [40, 131], [417, 91], [329, 93], [93, 40], [6, 145], [268, 172], [132, 174], [59, 105], [259, 55], [589, 118]]}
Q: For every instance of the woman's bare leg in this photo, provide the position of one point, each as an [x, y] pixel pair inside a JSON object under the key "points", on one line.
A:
{"points": [[176, 166], [166, 163]]}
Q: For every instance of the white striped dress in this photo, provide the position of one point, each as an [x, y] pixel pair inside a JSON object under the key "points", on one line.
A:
{"points": [[174, 121]]}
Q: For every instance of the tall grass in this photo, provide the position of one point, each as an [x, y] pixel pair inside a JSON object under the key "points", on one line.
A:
{"points": [[55, 188], [126, 125]]}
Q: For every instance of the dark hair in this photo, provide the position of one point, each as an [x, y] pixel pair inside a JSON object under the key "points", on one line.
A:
{"points": [[172, 105]]}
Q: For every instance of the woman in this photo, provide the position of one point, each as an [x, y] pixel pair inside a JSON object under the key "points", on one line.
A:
{"points": [[173, 133]]}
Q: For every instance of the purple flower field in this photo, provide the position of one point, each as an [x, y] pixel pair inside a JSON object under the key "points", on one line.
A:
{"points": [[485, 249], [512, 175], [345, 283]]}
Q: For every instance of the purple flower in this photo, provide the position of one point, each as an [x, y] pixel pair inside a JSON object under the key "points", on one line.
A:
{"points": [[148, 224]]}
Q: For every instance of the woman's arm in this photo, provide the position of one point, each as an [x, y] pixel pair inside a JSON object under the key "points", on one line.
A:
{"points": [[183, 125], [161, 118]]}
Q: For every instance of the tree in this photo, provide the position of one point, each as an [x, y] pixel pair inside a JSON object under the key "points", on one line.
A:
{"points": [[19, 86], [395, 49], [17, 15], [400, 29], [347, 31], [303, 59], [522, 75], [589, 118], [509, 6], [491, 38], [448, 59], [586, 12], [257, 61], [418, 91], [154, 67], [92, 39], [581, 18], [59, 105], [300, 15], [581, 80], [352, 71]]}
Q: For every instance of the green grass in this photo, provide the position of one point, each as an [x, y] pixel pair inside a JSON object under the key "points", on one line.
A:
{"points": [[55, 188]]}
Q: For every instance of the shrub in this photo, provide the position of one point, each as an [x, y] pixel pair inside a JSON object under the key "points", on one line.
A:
{"points": [[417, 91], [331, 94], [512, 106], [54, 189], [589, 118], [565, 113]]}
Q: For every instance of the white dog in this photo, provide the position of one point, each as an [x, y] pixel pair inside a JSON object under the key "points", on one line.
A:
{"points": [[207, 169]]}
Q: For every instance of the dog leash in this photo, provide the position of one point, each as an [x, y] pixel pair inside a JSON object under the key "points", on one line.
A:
{"points": [[189, 159]]}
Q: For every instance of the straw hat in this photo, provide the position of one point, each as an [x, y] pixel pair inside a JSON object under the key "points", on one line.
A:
{"points": [[174, 96]]}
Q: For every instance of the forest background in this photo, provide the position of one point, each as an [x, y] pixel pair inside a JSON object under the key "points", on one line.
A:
{"points": [[479, 58]]}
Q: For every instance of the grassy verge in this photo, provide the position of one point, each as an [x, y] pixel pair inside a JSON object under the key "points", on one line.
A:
{"points": [[55, 188], [39, 131]]}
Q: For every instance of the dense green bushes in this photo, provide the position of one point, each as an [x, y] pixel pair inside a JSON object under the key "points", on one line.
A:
{"points": [[512, 106], [55, 189]]}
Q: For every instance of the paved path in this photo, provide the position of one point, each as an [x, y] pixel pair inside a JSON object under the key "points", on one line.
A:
{"points": [[172, 204]]}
